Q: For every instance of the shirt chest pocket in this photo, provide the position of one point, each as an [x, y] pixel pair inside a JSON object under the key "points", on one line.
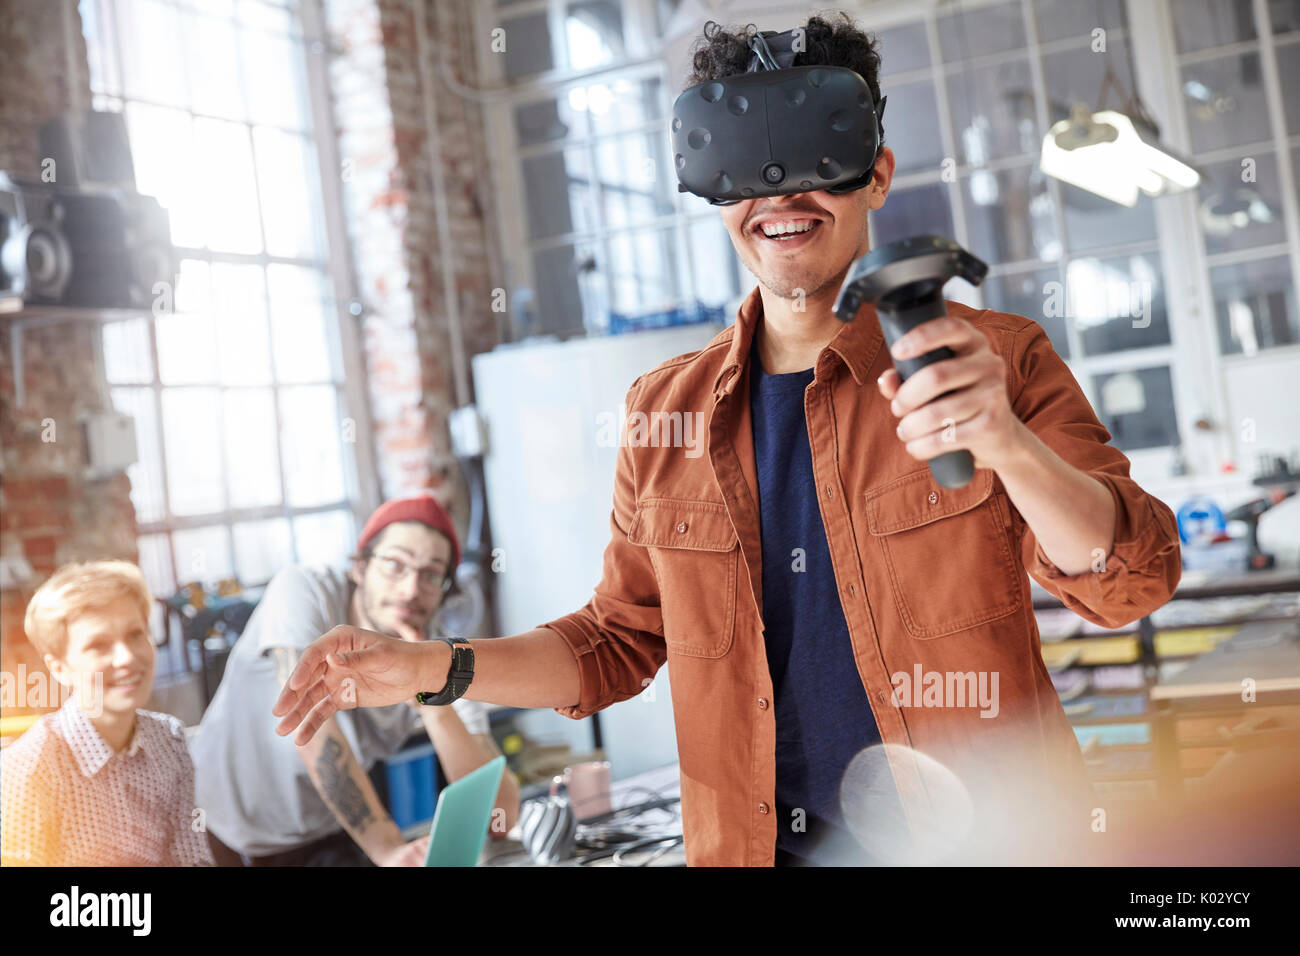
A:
{"points": [[696, 557], [947, 552]]}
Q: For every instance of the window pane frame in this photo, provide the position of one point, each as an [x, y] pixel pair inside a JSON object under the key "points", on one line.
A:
{"points": [[161, 523]]}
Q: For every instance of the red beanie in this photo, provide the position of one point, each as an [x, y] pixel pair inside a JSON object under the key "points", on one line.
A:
{"points": [[422, 508]]}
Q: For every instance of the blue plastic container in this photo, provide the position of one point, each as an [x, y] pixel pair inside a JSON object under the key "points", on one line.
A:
{"points": [[412, 786]]}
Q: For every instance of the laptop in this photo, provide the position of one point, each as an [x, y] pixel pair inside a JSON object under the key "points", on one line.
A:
{"points": [[461, 818]]}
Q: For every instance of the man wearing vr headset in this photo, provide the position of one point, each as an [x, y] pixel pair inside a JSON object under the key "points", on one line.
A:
{"points": [[812, 588]]}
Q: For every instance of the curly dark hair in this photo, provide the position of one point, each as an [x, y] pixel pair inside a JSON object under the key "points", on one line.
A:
{"points": [[831, 40]]}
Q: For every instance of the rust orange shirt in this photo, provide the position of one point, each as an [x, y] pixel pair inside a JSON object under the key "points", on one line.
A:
{"points": [[932, 581]]}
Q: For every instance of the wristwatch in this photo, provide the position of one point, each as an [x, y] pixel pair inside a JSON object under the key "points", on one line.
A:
{"points": [[458, 677]]}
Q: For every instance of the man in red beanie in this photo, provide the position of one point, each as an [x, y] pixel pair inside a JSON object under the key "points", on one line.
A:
{"points": [[268, 802]]}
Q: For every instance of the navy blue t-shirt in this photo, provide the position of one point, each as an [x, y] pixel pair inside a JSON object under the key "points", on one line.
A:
{"points": [[822, 715]]}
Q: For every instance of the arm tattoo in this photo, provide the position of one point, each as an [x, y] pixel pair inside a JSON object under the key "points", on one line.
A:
{"points": [[336, 783], [338, 787]]}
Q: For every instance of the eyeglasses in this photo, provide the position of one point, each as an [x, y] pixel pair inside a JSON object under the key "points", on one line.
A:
{"points": [[395, 569]]}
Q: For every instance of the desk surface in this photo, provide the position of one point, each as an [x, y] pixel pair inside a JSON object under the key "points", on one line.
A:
{"points": [[1267, 652], [663, 782]]}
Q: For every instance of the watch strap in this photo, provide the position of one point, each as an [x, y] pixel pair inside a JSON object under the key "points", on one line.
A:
{"points": [[459, 675]]}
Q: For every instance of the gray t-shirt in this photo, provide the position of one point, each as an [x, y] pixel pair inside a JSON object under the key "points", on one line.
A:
{"points": [[250, 782]]}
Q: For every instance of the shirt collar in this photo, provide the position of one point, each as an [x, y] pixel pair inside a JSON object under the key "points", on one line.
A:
{"points": [[856, 343], [86, 743]]}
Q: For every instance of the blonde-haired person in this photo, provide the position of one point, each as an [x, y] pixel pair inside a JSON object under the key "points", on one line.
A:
{"points": [[100, 782]]}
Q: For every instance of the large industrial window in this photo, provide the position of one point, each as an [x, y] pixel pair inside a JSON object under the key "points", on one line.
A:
{"points": [[241, 408], [602, 237], [1234, 68], [972, 91]]}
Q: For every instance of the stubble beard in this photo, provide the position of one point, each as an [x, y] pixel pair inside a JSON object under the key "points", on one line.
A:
{"points": [[788, 288], [371, 622]]}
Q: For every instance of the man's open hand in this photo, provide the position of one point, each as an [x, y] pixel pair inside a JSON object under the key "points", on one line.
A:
{"points": [[974, 411], [349, 667]]}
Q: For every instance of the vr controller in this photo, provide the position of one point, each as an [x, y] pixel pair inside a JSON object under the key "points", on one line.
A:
{"points": [[905, 280], [776, 129]]}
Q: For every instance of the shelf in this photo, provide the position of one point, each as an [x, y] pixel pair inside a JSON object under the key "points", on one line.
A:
{"points": [[31, 316], [1165, 757], [1274, 581], [1116, 748], [1085, 721], [1119, 776]]}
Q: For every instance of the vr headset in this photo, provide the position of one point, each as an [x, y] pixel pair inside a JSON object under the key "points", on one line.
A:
{"points": [[776, 128]]}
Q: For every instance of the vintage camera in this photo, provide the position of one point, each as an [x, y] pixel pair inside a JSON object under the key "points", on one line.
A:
{"points": [[90, 248], [86, 239]]}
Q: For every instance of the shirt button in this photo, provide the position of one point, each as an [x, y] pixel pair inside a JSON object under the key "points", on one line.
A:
{"points": [[934, 498], [762, 808], [762, 703], [681, 527]]}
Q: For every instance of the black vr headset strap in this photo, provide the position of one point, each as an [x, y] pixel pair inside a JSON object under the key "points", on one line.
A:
{"points": [[880, 121], [764, 58]]}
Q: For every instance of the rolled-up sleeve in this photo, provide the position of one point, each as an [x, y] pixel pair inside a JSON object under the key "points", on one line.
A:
{"points": [[1144, 564], [617, 637]]}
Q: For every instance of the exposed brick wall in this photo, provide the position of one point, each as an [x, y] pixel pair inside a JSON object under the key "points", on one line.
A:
{"points": [[35, 80], [387, 151], [49, 514], [476, 242]]}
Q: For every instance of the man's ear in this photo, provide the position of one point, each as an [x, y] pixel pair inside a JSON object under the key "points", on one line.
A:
{"points": [[356, 572], [878, 191]]}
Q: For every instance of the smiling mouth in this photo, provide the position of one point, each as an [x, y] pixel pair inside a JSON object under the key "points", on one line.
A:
{"points": [[787, 232]]}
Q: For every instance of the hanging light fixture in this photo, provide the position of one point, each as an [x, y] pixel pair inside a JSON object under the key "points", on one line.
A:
{"points": [[1228, 210], [1114, 153]]}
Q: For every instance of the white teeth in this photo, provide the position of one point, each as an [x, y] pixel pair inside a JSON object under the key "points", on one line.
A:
{"points": [[787, 228]]}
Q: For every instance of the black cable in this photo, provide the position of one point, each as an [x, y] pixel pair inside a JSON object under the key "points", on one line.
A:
{"points": [[664, 844], [617, 831], [656, 802]]}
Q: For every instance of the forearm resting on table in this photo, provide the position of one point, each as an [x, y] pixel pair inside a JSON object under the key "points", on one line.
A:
{"points": [[1071, 513], [343, 783]]}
